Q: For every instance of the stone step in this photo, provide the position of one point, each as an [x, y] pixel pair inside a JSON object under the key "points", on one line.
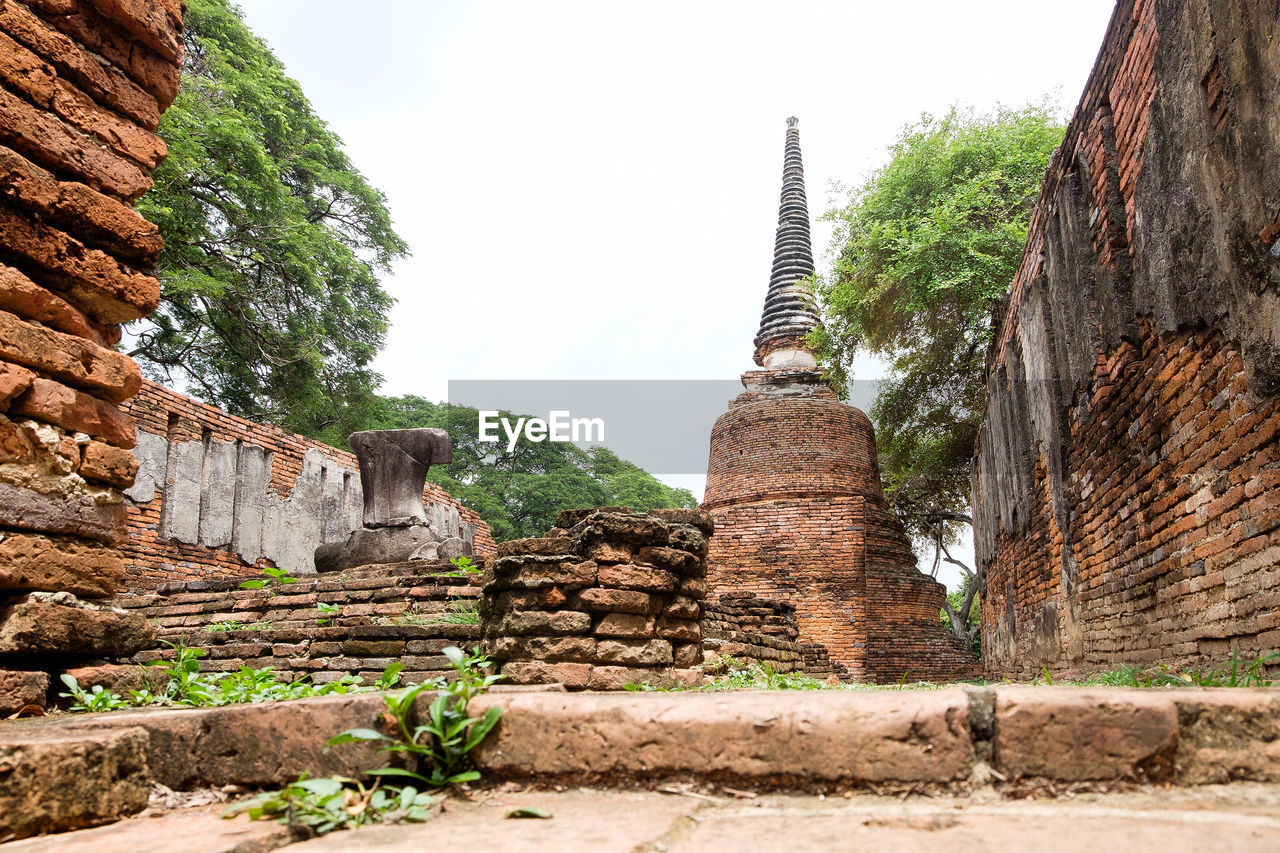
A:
{"points": [[70, 771], [199, 830], [55, 776]]}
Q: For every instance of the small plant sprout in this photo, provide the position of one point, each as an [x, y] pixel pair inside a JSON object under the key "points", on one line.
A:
{"points": [[95, 699], [439, 745], [279, 576], [462, 566], [327, 612], [390, 676], [460, 611], [1236, 672], [320, 806]]}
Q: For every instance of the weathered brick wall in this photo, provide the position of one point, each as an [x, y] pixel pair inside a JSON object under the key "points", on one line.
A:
{"points": [[1124, 487], [607, 598], [82, 87], [794, 487], [220, 496], [385, 614]]}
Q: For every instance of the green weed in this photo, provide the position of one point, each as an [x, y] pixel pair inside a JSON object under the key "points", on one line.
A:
{"points": [[279, 576], [462, 566], [327, 612], [96, 698], [439, 747], [460, 611], [762, 675], [1236, 672], [186, 685], [323, 805]]}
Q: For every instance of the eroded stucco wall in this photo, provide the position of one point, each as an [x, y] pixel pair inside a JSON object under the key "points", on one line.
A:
{"points": [[218, 496]]}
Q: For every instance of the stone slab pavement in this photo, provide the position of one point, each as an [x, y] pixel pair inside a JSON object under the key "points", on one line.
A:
{"points": [[1237, 817]]}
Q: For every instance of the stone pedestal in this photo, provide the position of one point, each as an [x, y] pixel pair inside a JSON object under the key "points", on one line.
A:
{"points": [[393, 472]]}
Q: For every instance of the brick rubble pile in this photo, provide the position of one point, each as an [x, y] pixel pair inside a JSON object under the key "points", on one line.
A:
{"points": [[605, 599]]}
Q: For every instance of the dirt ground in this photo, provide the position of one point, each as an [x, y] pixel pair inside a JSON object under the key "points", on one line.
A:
{"points": [[1238, 817]]}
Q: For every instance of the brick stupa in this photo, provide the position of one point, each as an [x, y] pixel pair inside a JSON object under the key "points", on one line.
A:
{"points": [[795, 492]]}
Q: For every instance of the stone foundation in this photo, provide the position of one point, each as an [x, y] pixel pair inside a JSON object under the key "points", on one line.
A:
{"points": [[746, 627], [384, 614], [607, 598], [82, 87]]}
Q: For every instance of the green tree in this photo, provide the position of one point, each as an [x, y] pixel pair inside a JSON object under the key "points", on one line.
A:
{"points": [[518, 493], [271, 304], [926, 250]]}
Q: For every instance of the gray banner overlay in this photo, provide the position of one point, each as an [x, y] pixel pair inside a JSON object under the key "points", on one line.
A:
{"points": [[661, 425]]}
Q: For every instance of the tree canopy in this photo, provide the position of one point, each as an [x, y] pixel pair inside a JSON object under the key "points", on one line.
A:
{"points": [[926, 249], [271, 307], [519, 493]]}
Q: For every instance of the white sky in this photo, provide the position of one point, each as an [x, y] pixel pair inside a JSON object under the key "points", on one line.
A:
{"points": [[590, 189]]}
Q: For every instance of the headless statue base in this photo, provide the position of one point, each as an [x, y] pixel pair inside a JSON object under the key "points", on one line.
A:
{"points": [[393, 472]]}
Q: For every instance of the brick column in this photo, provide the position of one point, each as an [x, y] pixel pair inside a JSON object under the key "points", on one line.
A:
{"points": [[82, 87]]}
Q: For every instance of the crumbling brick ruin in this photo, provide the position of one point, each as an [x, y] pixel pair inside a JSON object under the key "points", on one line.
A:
{"points": [[743, 626], [607, 598], [82, 87], [217, 496], [794, 488], [1125, 498]]}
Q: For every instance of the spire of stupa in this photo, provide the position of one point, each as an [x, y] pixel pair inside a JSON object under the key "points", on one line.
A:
{"points": [[789, 309]]}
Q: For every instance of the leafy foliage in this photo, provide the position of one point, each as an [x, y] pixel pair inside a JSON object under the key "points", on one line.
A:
{"points": [[462, 567], [961, 612], [740, 674], [94, 699], [327, 613], [271, 305], [925, 251], [440, 745], [186, 685], [319, 806], [519, 493], [279, 576], [460, 611]]}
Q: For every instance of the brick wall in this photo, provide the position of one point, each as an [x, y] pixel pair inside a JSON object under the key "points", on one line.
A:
{"points": [[82, 87], [384, 614], [307, 493], [1124, 485], [794, 487]]}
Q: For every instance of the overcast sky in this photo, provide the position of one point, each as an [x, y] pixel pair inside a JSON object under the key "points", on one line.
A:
{"points": [[590, 189]]}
